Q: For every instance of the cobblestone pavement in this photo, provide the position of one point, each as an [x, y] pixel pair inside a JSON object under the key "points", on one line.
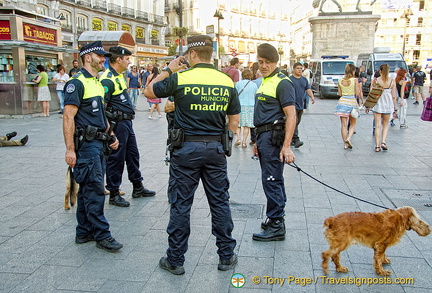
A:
{"points": [[38, 253]]}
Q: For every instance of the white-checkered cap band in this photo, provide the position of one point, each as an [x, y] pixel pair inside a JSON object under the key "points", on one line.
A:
{"points": [[197, 44], [89, 50]]}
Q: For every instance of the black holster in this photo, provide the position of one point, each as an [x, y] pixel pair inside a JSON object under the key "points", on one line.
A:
{"points": [[226, 139], [176, 138], [278, 132]]}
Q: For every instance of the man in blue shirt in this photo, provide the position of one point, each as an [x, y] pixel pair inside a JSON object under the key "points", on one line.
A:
{"points": [[301, 86]]}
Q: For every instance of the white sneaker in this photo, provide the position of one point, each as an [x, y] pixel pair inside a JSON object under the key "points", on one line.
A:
{"points": [[160, 116], [150, 117]]}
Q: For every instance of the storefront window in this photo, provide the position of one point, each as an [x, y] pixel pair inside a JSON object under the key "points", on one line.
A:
{"points": [[50, 64], [6, 67]]}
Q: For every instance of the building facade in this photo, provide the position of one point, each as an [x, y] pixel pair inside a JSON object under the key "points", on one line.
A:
{"points": [[403, 30], [48, 32], [241, 25]]}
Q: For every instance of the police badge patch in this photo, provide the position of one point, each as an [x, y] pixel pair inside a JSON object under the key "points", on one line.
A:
{"points": [[70, 88]]}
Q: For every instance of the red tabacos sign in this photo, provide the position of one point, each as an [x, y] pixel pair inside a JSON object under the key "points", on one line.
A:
{"points": [[38, 34], [5, 30]]}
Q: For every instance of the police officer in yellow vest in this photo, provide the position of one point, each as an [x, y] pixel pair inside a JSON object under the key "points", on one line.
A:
{"points": [[203, 97], [87, 136], [120, 111], [275, 120]]}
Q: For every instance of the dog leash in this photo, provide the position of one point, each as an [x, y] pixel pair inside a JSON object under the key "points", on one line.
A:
{"points": [[294, 165]]}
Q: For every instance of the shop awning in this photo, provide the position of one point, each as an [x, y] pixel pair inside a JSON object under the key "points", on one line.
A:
{"points": [[108, 38], [10, 44]]}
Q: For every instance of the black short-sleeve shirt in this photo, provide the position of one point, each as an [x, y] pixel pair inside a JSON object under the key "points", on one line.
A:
{"points": [[121, 102], [203, 96], [269, 102], [91, 109]]}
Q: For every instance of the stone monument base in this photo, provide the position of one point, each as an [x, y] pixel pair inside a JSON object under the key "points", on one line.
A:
{"points": [[348, 33]]}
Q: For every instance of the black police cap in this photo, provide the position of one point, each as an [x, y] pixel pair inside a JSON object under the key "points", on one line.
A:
{"points": [[95, 47], [199, 41], [120, 51]]}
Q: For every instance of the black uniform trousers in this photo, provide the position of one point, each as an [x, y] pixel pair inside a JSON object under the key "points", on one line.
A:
{"points": [[127, 151], [189, 164], [89, 174], [272, 175]]}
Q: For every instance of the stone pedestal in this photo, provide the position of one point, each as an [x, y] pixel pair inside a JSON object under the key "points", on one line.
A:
{"points": [[343, 34]]}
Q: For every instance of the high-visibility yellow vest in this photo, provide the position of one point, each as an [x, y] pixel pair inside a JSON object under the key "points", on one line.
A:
{"points": [[269, 85], [92, 86], [118, 81]]}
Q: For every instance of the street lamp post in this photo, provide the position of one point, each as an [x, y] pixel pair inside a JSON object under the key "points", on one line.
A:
{"points": [[219, 16], [406, 14]]}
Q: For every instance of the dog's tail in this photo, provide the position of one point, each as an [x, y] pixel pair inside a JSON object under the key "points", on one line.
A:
{"points": [[71, 186]]}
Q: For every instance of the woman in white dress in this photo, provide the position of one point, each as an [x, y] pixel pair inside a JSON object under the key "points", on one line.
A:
{"points": [[385, 106]]}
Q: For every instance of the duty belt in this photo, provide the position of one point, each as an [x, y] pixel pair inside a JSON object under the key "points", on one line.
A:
{"points": [[202, 138], [264, 128], [119, 115], [99, 135]]}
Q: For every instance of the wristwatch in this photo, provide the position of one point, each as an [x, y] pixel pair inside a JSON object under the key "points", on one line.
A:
{"points": [[167, 69]]}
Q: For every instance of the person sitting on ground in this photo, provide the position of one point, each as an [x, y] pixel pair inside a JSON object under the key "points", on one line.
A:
{"points": [[6, 140]]}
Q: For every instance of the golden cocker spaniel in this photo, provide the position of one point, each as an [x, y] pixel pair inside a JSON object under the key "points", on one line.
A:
{"points": [[375, 230]]}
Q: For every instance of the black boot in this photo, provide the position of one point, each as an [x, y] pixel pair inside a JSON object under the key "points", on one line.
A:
{"points": [[275, 231], [24, 140], [11, 135], [117, 200], [140, 191]]}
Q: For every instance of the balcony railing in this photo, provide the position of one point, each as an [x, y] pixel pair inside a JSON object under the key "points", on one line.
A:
{"points": [[128, 12], [85, 3], [159, 19], [100, 4], [114, 8], [142, 15]]}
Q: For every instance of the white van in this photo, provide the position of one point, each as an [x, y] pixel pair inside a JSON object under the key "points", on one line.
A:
{"points": [[326, 74], [373, 61]]}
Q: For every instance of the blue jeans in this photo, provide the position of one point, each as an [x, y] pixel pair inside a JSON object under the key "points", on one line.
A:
{"points": [[60, 95], [133, 95]]}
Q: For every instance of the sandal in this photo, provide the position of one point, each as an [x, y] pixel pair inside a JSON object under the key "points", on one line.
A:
{"points": [[244, 145], [384, 146], [377, 149], [348, 143], [238, 142]]}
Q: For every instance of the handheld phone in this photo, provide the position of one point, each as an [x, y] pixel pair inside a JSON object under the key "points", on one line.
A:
{"points": [[186, 62]]}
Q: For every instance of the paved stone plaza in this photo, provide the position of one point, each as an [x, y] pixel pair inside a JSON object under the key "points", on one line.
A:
{"points": [[38, 253]]}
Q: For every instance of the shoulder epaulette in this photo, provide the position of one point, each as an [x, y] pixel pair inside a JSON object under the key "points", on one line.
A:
{"points": [[110, 74], [184, 70], [76, 75]]}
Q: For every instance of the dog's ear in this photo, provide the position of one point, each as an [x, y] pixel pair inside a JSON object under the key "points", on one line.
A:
{"points": [[407, 213]]}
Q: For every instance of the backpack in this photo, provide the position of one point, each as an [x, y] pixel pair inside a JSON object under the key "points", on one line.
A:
{"points": [[427, 110]]}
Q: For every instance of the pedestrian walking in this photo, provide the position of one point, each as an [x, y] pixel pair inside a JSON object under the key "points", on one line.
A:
{"points": [[60, 78], [275, 120], [120, 112], [86, 136], [348, 89], [199, 118], [385, 106], [302, 89], [134, 84]]}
